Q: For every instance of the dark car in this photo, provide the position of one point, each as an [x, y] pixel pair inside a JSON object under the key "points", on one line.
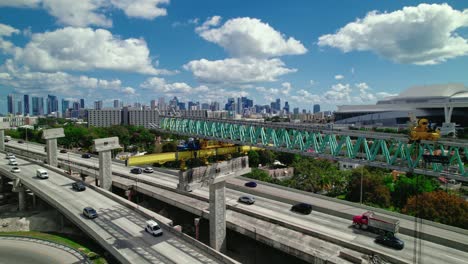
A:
{"points": [[303, 208], [90, 213], [246, 199], [63, 151], [251, 184], [20, 141], [78, 186], [390, 241], [136, 171], [86, 156]]}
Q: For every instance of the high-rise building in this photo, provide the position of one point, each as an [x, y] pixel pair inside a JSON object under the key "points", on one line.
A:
{"points": [[278, 105], [82, 105], [26, 104], [153, 104], [229, 105], [20, 108], [214, 106], [116, 103], [239, 105], [37, 106], [76, 106], [316, 108], [296, 110], [11, 107], [98, 105], [162, 104], [286, 107], [52, 104], [65, 105]]}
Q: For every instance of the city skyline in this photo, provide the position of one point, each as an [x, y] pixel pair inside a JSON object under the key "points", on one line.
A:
{"points": [[305, 53]]}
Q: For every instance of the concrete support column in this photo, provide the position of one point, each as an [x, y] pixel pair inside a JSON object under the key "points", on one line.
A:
{"points": [[105, 146], [2, 140], [105, 170], [21, 198], [52, 152], [218, 216], [34, 202], [51, 135]]}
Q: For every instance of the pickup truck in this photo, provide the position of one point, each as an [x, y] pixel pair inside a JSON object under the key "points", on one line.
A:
{"points": [[376, 223]]}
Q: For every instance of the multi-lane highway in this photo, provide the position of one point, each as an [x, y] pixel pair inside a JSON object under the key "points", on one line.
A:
{"points": [[117, 228], [317, 222]]}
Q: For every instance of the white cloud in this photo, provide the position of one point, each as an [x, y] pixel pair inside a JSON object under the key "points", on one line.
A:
{"points": [[250, 37], [159, 85], [338, 93], [22, 80], [210, 22], [339, 77], [86, 49], [425, 34], [305, 97], [7, 31], [237, 70], [81, 13], [78, 13], [128, 90], [312, 82], [186, 92], [352, 70], [20, 3], [148, 9]]}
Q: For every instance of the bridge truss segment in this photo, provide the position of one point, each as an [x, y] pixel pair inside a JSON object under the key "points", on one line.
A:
{"points": [[385, 150]]}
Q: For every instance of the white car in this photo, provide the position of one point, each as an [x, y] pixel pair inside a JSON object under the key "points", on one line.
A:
{"points": [[9, 156], [148, 170], [15, 169], [153, 228], [13, 163]]}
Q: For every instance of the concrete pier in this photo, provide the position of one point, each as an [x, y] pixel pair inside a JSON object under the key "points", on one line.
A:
{"points": [[51, 135], [105, 146], [3, 126], [218, 216]]}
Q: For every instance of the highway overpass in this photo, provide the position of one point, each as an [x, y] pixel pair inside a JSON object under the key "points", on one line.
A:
{"points": [[331, 220], [119, 229]]}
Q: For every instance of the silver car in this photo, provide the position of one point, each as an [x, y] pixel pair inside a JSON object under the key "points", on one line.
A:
{"points": [[246, 199]]}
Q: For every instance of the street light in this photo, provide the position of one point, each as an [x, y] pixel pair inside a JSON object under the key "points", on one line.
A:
{"points": [[362, 172]]}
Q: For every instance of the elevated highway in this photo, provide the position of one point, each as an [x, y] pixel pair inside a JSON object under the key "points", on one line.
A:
{"points": [[332, 217], [383, 150], [119, 229]]}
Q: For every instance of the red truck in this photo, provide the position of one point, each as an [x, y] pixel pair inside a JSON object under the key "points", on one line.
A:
{"points": [[376, 223]]}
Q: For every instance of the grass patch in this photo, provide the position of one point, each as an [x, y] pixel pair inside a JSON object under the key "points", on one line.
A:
{"points": [[97, 259]]}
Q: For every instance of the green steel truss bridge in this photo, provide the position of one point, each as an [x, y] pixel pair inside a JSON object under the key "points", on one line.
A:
{"points": [[385, 150]]}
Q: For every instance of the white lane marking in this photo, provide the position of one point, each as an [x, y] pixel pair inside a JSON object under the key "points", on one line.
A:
{"points": [[173, 253], [461, 260], [130, 227]]}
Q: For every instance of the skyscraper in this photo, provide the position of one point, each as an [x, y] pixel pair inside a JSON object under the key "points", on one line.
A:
{"points": [[37, 106], [161, 103], [65, 105], [26, 104], [20, 108], [98, 105], [116, 103], [52, 104], [11, 107], [82, 106], [316, 108], [296, 110], [153, 104], [286, 107], [278, 105]]}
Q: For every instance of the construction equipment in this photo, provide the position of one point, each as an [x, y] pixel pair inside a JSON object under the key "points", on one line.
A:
{"points": [[423, 132]]}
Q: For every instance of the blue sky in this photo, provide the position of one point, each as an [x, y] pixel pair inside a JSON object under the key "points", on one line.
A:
{"points": [[327, 52]]}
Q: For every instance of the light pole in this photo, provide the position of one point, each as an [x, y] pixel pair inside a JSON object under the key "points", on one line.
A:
{"points": [[362, 172]]}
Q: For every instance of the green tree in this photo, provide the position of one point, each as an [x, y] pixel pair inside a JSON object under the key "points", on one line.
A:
{"points": [[406, 187], [287, 158], [439, 206], [374, 190], [266, 157], [169, 147], [254, 158], [259, 174]]}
